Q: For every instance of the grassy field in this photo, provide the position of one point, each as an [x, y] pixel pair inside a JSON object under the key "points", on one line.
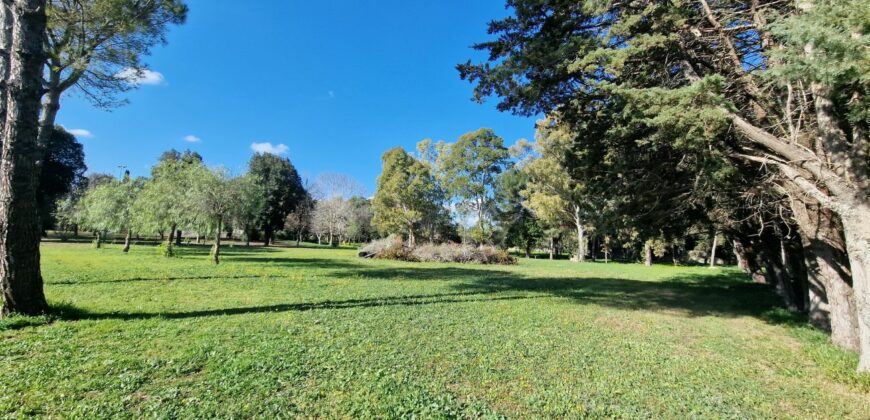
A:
{"points": [[321, 333]]}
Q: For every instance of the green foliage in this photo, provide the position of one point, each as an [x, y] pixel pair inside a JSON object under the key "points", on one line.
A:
{"points": [[470, 168], [321, 333], [98, 45], [61, 174], [406, 193], [283, 189]]}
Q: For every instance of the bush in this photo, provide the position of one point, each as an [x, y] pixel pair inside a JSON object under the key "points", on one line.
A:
{"points": [[393, 248]]}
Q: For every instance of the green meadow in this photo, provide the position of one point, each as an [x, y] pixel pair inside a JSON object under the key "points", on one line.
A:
{"points": [[318, 332]]}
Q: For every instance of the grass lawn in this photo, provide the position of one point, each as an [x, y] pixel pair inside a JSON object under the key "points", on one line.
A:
{"points": [[321, 333]]}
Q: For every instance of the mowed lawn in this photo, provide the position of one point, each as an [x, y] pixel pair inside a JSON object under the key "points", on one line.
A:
{"points": [[283, 332]]}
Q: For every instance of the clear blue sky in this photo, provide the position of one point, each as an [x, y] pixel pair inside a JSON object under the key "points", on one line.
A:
{"points": [[337, 82]]}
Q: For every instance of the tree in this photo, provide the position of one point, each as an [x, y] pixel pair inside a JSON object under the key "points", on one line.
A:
{"points": [[165, 201], [21, 60], [283, 188], [108, 207], [470, 168], [331, 217], [215, 195], [63, 168], [359, 224], [553, 194], [648, 65], [520, 227], [405, 193], [251, 202], [97, 46]]}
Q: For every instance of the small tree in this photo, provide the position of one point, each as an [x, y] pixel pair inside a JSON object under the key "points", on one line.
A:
{"points": [[250, 203], [406, 193], [109, 208], [215, 194]]}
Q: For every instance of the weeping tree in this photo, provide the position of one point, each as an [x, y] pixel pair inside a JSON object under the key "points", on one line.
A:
{"points": [[214, 193], [109, 208]]}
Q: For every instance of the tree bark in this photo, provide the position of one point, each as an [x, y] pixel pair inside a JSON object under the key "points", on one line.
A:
{"points": [[267, 235], [581, 236], [647, 254], [740, 255], [98, 240], [216, 248], [178, 234], [713, 250], [831, 302], [857, 232], [20, 276], [127, 241]]}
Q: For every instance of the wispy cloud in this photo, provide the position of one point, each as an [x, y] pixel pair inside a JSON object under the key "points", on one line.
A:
{"points": [[278, 149], [80, 132], [331, 93], [141, 77], [190, 138]]}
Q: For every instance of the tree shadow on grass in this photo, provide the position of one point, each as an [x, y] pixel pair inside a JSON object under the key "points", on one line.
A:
{"points": [[72, 314]]}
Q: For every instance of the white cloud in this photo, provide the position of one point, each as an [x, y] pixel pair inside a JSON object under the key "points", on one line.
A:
{"points": [[190, 138], [81, 132], [141, 77], [278, 149]]}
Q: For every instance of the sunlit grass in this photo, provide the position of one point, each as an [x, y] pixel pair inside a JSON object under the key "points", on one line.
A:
{"points": [[316, 331]]}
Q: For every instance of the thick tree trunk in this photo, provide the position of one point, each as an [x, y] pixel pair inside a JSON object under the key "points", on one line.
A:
{"points": [[857, 231], [178, 235], [216, 248], [831, 302], [713, 250], [20, 277], [647, 254], [127, 241], [267, 235]]}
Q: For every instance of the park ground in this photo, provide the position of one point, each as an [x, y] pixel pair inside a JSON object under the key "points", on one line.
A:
{"points": [[319, 332]]}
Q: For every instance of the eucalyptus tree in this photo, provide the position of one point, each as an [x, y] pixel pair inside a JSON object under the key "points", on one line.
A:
{"points": [[470, 168], [96, 47], [21, 61]]}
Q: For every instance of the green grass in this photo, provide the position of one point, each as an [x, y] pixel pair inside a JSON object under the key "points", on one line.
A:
{"points": [[319, 332]]}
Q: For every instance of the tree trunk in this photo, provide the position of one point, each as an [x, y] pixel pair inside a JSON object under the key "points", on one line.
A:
{"points": [[857, 231], [98, 240], [831, 302], [20, 276], [127, 241], [552, 247], [740, 255], [216, 248], [647, 254], [581, 236], [713, 251], [528, 249], [178, 234], [169, 240], [412, 241], [267, 235]]}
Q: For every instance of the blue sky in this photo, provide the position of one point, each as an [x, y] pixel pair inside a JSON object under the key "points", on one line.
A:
{"points": [[336, 82]]}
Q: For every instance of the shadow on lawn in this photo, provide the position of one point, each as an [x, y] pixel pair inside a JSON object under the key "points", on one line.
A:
{"points": [[723, 294]]}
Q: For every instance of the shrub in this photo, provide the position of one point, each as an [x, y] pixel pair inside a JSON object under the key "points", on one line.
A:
{"points": [[394, 249]]}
